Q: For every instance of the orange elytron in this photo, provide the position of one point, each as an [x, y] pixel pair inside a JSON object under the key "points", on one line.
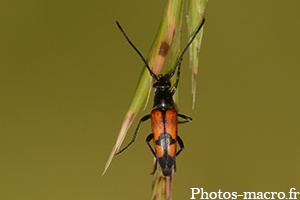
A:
{"points": [[164, 116]]}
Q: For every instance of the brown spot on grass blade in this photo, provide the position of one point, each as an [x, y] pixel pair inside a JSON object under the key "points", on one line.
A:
{"points": [[124, 128], [164, 49]]}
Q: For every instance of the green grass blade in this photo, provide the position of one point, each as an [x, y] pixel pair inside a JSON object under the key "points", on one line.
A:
{"points": [[196, 10]]}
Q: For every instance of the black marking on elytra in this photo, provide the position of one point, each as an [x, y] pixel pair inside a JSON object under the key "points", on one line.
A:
{"points": [[165, 140], [166, 162]]}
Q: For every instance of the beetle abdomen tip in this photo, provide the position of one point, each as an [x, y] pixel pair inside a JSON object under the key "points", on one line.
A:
{"points": [[166, 171]]}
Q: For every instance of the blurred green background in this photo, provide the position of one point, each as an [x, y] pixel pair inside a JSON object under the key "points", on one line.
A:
{"points": [[67, 76]]}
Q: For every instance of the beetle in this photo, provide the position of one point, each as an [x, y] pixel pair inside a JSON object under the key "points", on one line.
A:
{"points": [[164, 116]]}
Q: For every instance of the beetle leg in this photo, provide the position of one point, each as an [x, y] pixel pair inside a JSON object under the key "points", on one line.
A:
{"points": [[174, 166], [155, 167], [145, 118], [180, 144], [177, 79], [148, 139], [178, 152], [187, 118]]}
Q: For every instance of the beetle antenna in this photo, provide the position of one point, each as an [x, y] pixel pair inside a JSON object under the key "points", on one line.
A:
{"points": [[144, 60], [187, 46]]}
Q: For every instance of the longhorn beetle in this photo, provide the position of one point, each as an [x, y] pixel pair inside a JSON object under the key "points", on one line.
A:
{"points": [[164, 115]]}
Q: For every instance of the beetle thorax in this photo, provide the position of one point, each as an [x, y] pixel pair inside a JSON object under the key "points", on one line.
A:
{"points": [[163, 99]]}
